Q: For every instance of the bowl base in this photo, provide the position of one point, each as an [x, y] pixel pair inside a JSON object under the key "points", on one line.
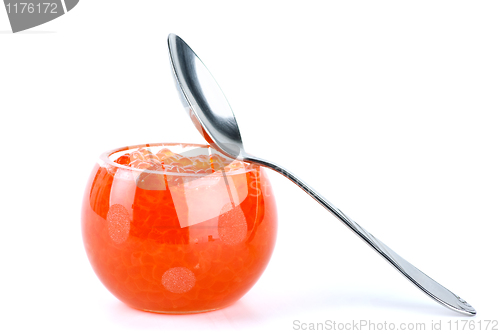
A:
{"points": [[182, 312]]}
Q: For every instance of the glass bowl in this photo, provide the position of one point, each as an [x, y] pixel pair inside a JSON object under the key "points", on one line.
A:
{"points": [[178, 240]]}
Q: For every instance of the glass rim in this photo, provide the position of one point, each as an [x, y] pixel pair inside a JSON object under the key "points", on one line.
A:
{"points": [[105, 159]]}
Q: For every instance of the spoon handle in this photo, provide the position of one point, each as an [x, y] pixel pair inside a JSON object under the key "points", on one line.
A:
{"points": [[432, 288]]}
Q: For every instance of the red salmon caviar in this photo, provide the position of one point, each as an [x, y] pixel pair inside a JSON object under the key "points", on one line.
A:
{"points": [[164, 152], [136, 156], [185, 161], [123, 160], [197, 164], [173, 243]]}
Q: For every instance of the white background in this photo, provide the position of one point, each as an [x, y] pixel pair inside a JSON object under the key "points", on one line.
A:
{"points": [[388, 108]]}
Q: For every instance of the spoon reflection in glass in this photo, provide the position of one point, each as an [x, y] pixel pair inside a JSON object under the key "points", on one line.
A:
{"points": [[214, 119]]}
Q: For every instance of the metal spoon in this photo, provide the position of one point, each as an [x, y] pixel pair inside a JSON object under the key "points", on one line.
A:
{"points": [[213, 117]]}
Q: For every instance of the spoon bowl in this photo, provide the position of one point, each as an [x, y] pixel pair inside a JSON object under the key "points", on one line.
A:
{"points": [[204, 101]]}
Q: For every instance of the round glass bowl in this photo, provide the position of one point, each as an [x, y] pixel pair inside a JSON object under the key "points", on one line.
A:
{"points": [[178, 240]]}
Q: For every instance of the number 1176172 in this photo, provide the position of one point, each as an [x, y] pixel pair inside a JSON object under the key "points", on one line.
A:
{"points": [[463, 325], [31, 8]]}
